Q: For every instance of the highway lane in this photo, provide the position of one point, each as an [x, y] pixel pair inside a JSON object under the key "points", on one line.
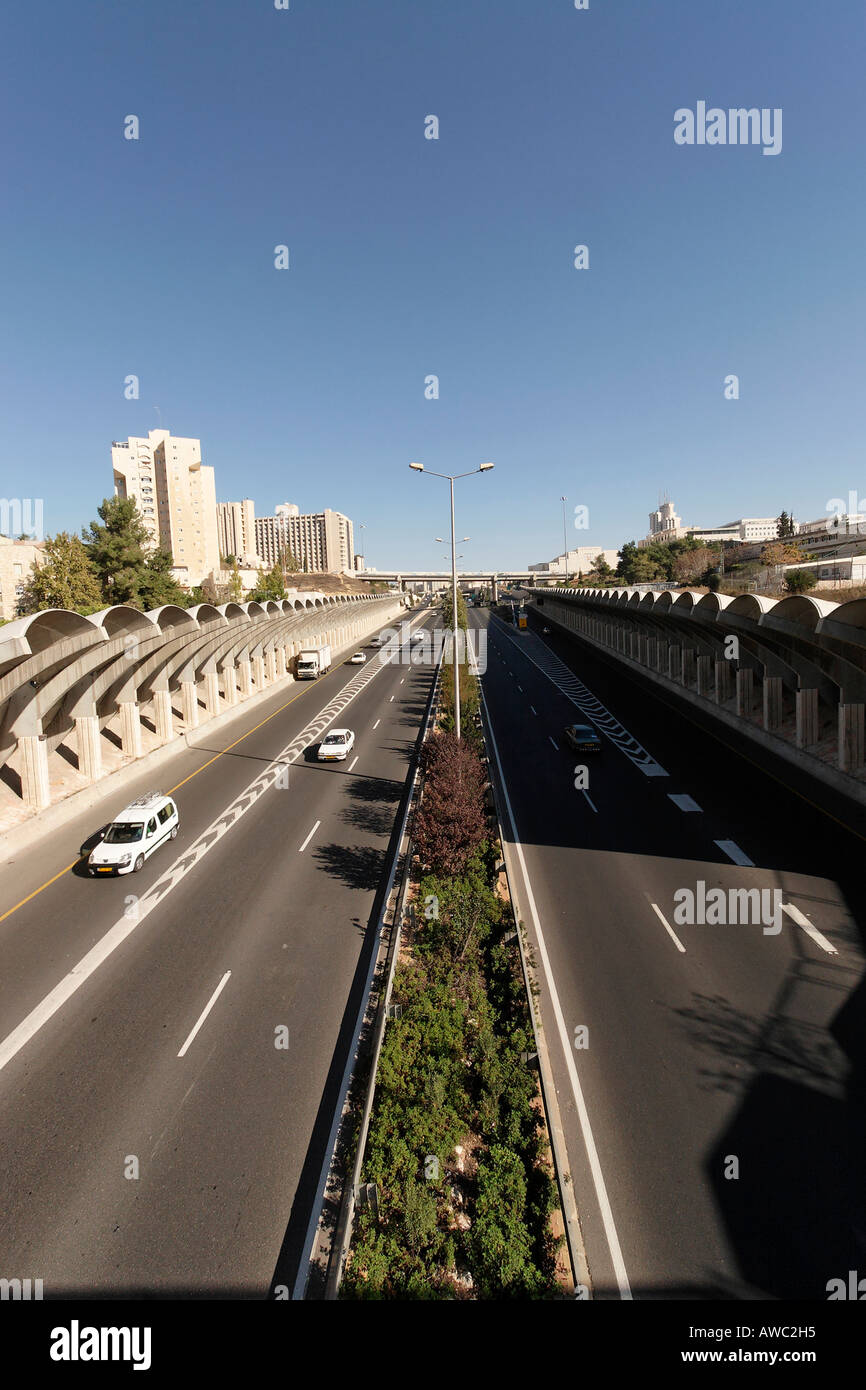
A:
{"points": [[227, 1137], [723, 1048]]}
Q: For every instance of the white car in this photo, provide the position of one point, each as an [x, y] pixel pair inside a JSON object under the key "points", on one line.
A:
{"points": [[140, 828], [357, 659], [336, 745], [419, 636]]}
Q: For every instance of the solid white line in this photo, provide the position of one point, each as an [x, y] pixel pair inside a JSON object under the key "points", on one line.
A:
{"points": [[589, 799], [577, 1090], [668, 928], [553, 741], [377, 723], [734, 852], [683, 801], [352, 763], [534, 710], [216, 994], [802, 921], [520, 688], [309, 837]]}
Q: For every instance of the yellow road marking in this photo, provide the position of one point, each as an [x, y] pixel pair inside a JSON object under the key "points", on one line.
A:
{"points": [[48, 882]]}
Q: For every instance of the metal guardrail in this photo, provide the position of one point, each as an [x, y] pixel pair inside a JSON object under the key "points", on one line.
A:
{"points": [[346, 1220]]}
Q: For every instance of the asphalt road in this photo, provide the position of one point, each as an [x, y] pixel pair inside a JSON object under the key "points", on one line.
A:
{"points": [[714, 1112], [125, 1168]]}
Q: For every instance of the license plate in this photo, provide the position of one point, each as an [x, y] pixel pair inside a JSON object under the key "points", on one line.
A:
{"points": [[103, 871]]}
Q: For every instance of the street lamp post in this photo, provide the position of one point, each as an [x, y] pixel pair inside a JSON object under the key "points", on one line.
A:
{"points": [[563, 500], [451, 479]]}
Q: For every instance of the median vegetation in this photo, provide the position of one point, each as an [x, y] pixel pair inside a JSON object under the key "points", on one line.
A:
{"points": [[457, 1147]]}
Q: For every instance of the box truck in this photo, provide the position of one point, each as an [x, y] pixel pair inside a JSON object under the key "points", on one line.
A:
{"points": [[312, 662]]}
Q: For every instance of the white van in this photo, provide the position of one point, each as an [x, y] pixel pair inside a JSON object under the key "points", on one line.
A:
{"points": [[141, 827]]}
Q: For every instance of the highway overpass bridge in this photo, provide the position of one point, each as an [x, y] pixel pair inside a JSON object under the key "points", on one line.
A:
{"points": [[427, 580]]}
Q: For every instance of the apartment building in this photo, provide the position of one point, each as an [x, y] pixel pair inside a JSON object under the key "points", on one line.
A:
{"points": [[16, 563], [319, 541], [236, 530], [176, 496], [578, 561]]}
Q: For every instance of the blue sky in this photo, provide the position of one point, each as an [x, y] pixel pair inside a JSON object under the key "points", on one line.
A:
{"points": [[411, 257]]}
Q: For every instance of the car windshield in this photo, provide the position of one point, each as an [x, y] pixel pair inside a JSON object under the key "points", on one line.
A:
{"points": [[123, 833], [335, 738]]}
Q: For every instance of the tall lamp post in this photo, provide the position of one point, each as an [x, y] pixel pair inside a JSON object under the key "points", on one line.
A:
{"points": [[451, 479], [563, 500]]}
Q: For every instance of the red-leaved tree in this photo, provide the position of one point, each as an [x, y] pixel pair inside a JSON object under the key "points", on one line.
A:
{"points": [[450, 823]]}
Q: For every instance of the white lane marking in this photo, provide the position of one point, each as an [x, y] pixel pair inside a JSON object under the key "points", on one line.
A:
{"points": [[352, 763], [553, 741], [684, 802], [402, 678], [589, 799], [377, 723], [668, 928], [309, 837], [580, 695], [208, 1006], [803, 921], [582, 1111], [520, 688], [391, 701], [176, 872], [534, 710], [733, 851]]}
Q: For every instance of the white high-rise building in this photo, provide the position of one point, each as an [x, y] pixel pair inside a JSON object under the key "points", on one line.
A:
{"points": [[236, 530], [176, 497], [318, 541]]}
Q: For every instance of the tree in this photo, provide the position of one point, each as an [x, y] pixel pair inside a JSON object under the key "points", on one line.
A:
{"points": [[799, 581], [450, 822], [157, 585], [64, 578], [270, 585], [785, 526], [115, 546], [288, 563], [236, 587], [779, 554], [601, 567]]}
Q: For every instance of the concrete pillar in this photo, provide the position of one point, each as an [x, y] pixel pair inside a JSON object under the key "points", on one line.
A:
{"points": [[271, 664], [35, 788], [281, 663], [675, 669], [772, 702], [189, 704], [212, 693], [705, 674], [807, 718], [723, 682], [687, 659], [230, 685], [164, 715], [851, 738], [651, 653], [89, 746], [245, 676], [130, 728], [259, 670], [745, 691]]}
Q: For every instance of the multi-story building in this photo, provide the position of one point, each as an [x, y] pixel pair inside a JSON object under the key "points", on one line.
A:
{"points": [[236, 530], [666, 526], [16, 563], [318, 541], [176, 497], [578, 561]]}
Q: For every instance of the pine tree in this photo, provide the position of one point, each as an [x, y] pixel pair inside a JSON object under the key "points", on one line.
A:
{"points": [[64, 578], [116, 547]]}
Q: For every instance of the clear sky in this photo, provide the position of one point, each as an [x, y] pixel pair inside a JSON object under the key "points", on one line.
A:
{"points": [[454, 257]]}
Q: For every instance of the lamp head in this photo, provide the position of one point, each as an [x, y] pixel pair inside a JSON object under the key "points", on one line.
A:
{"points": [[419, 467]]}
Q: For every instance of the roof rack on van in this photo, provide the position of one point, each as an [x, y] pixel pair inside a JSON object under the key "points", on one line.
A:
{"points": [[147, 799]]}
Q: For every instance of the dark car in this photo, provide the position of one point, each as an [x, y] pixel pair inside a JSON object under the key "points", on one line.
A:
{"points": [[582, 738]]}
